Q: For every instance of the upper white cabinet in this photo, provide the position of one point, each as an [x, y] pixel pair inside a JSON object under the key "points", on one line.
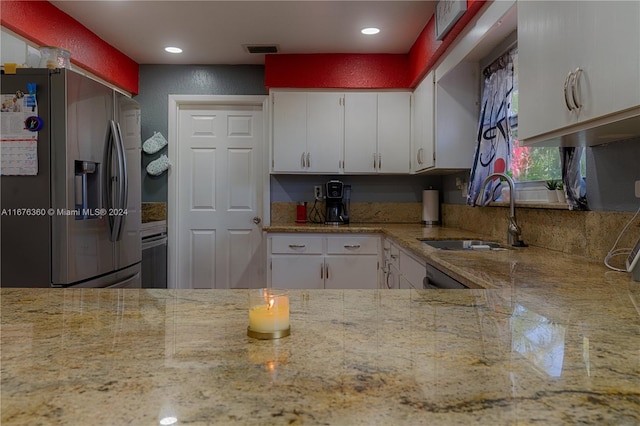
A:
{"points": [[422, 125], [445, 119], [377, 131], [579, 61], [313, 130], [457, 111], [307, 132]]}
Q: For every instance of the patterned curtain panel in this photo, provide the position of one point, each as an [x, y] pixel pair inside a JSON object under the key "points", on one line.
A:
{"points": [[574, 185], [494, 134]]}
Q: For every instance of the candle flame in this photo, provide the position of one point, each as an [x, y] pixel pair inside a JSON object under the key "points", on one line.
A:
{"points": [[271, 302]]}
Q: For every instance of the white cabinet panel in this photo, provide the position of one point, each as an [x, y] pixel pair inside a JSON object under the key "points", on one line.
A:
{"points": [[295, 244], [353, 244], [394, 132], [351, 272], [360, 132], [422, 125], [578, 61], [324, 132], [297, 271], [289, 131]]}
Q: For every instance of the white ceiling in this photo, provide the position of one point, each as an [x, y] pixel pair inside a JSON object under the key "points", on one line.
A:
{"points": [[214, 32]]}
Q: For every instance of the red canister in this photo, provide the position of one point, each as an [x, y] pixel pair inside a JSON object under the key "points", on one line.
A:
{"points": [[301, 212]]}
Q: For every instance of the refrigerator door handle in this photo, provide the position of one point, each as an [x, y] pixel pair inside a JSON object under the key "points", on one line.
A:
{"points": [[123, 181], [109, 178], [113, 195]]}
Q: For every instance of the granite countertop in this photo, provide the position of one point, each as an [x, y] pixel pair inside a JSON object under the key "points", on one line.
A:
{"points": [[527, 267], [354, 357]]}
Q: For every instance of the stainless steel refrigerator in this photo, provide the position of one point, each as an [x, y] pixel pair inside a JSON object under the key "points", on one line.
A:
{"points": [[76, 221]]}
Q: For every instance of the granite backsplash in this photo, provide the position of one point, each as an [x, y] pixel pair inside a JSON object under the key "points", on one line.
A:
{"points": [[589, 234], [152, 212]]}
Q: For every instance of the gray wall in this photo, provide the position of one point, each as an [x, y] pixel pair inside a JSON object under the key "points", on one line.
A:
{"points": [[383, 188], [157, 82]]}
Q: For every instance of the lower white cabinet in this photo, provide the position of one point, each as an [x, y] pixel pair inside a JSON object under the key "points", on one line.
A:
{"points": [[306, 261], [402, 270]]}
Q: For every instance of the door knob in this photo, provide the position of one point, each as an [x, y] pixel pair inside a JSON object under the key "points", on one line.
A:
{"points": [[257, 220]]}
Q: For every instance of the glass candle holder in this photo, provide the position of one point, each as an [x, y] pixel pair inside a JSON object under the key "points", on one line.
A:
{"points": [[268, 313]]}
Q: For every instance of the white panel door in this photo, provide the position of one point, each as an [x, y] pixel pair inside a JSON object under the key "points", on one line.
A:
{"points": [[219, 184]]}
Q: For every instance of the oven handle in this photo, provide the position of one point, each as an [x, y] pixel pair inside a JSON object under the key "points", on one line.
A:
{"points": [[154, 241]]}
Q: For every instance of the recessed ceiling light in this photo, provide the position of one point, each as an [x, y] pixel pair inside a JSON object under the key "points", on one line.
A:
{"points": [[370, 31], [173, 49]]}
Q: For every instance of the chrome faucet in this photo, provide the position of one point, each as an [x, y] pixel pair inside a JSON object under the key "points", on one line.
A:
{"points": [[514, 233]]}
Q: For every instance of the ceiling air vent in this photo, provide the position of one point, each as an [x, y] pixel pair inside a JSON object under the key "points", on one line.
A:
{"points": [[261, 48]]}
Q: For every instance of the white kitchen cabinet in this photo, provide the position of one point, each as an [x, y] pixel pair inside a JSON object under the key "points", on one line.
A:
{"points": [[445, 119], [324, 261], [457, 111], [307, 132], [377, 132], [422, 146], [578, 61], [412, 270], [402, 270]]}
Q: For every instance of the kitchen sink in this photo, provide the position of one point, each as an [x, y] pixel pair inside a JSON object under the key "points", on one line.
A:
{"points": [[463, 244]]}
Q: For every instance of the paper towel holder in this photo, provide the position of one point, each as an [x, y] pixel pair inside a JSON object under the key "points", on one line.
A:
{"points": [[430, 207]]}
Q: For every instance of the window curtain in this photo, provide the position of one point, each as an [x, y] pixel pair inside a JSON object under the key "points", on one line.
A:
{"points": [[494, 133], [572, 181]]}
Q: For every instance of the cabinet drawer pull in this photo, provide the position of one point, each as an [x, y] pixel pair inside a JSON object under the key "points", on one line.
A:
{"points": [[566, 91], [352, 246], [575, 88], [295, 246]]}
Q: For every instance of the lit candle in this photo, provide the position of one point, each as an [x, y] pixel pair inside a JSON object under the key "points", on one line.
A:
{"points": [[269, 312]]}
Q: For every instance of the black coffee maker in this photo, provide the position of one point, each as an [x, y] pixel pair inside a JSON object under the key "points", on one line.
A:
{"points": [[337, 200]]}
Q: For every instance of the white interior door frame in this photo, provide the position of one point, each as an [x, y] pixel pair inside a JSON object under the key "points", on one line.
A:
{"points": [[175, 103]]}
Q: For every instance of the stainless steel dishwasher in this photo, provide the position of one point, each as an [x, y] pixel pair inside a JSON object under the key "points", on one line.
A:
{"points": [[436, 279], [154, 254]]}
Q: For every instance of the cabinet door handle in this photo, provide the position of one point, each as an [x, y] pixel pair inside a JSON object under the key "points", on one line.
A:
{"points": [[321, 272], [308, 160], [326, 271], [420, 155], [575, 87], [294, 246], [302, 161], [394, 256], [379, 161], [374, 160], [352, 246], [567, 101]]}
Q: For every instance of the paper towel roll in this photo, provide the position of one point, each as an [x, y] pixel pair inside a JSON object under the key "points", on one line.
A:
{"points": [[430, 207]]}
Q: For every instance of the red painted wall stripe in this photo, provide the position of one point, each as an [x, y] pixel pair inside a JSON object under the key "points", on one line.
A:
{"points": [[365, 71], [44, 24], [426, 50], [360, 71]]}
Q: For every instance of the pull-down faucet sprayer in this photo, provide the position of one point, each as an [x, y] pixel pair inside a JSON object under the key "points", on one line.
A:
{"points": [[514, 233]]}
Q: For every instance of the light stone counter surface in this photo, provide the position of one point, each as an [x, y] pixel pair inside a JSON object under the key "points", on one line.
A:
{"points": [[354, 357], [527, 267]]}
